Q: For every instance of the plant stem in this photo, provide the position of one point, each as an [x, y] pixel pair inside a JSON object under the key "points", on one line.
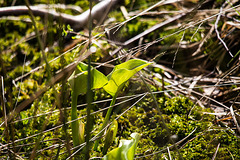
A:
{"points": [[89, 88], [107, 117], [75, 124], [89, 123]]}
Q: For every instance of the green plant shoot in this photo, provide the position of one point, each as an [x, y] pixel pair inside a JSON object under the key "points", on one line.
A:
{"points": [[116, 80], [110, 136], [121, 74], [112, 84], [78, 80], [126, 149], [78, 83]]}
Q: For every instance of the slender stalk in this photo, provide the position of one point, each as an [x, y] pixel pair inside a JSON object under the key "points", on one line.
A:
{"points": [[64, 115], [107, 117], [75, 124], [48, 68], [89, 123], [38, 38], [89, 88]]}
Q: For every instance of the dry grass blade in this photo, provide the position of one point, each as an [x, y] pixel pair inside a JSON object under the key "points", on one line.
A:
{"points": [[216, 23], [234, 119], [129, 98], [169, 153], [215, 154], [148, 31]]}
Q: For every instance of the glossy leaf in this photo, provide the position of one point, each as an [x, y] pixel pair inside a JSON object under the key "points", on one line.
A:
{"points": [[122, 73], [78, 80], [126, 149]]}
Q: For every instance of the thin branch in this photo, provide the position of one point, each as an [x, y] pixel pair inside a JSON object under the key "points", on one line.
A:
{"points": [[60, 6], [220, 39], [234, 119], [175, 55], [77, 22], [150, 30]]}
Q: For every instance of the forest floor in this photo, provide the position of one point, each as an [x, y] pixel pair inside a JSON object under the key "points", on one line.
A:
{"points": [[185, 103]]}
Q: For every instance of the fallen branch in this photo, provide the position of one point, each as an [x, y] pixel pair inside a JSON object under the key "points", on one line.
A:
{"points": [[77, 22]]}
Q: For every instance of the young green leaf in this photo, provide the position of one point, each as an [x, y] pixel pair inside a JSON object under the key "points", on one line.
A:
{"points": [[69, 28], [78, 82], [116, 80], [126, 149], [78, 79], [122, 73]]}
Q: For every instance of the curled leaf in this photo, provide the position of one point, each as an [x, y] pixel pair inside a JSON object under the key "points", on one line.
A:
{"points": [[78, 80], [122, 73], [126, 149]]}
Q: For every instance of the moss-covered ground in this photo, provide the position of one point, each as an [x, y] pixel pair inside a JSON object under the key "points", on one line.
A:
{"points": [[188, 125]]}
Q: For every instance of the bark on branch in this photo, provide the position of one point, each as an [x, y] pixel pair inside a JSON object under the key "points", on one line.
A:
{"points": [[77, 22]]}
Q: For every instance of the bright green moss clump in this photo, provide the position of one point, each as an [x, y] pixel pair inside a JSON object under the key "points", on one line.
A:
{"points": [[181, 117]]}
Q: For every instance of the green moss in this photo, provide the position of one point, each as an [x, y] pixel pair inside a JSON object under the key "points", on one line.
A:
{"points": [[145, 120]]}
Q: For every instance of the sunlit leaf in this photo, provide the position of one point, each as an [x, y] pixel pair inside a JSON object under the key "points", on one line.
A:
{"points": [[78, 80], [126, 149], [122, 73]]}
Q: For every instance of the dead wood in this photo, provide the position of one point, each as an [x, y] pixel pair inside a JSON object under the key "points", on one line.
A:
{"points": [[77, 22]]}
